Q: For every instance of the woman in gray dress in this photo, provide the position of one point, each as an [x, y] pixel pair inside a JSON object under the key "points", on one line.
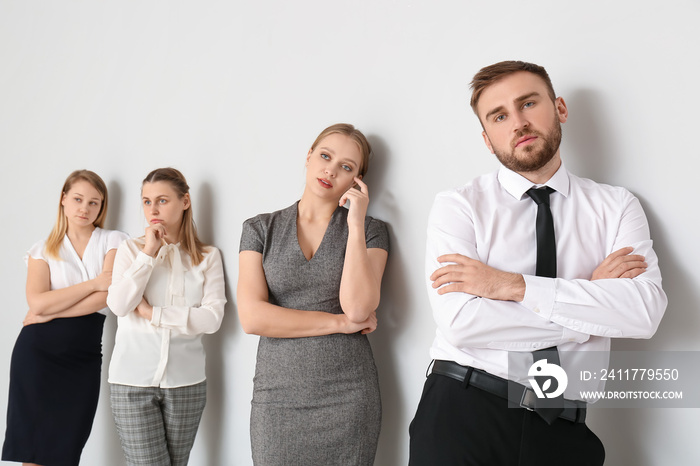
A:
{"points": [[309, 284]]}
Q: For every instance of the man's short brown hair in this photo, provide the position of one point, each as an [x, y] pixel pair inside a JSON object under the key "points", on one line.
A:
{"points": [[492, 73]]}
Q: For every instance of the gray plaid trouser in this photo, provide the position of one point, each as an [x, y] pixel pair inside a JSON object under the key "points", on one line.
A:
{"points": [[157, 426]]}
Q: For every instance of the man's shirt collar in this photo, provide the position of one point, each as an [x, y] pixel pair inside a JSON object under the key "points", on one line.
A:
{"points": [[516, 185]]}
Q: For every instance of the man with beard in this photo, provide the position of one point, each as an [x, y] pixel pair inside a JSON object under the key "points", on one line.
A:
{"points": [[502, 300]]}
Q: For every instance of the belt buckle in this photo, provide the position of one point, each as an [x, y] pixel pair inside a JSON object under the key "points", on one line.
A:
{"points": [[528, 399]]}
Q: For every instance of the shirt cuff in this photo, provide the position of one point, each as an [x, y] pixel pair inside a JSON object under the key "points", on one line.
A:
{"points": [[155, 318], [145, 258], [539, 295]]}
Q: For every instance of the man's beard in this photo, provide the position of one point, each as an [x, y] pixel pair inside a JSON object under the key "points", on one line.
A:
{"points": [[531, 159]]}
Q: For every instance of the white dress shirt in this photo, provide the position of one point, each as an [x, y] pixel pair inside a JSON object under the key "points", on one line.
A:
{"points": [[70, 269], [187, 301], [492, 220]]}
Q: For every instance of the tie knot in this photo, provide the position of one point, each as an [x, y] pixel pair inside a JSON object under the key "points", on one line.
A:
{"points": [[540, 195]]}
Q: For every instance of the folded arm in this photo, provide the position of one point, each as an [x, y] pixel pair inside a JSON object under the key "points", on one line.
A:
{"points": [[476, 305], [259, 317], [207, 316], [603, 306], [132, 270], [83, 298], [89, 305]]}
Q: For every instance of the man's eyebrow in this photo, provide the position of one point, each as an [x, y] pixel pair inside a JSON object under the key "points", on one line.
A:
{"points": [[493, 112], [522, 98], [527, 96]]}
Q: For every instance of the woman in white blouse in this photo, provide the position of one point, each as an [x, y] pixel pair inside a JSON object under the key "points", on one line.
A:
{"points": [[167, 290], [56, 362]]}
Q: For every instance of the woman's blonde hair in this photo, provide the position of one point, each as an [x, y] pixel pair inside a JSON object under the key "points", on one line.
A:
{"points": [[354, 134], [188, 231], [55, 239]]}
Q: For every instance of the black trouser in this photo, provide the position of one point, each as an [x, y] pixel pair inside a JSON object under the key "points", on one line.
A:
{"points": [[456, 425]]}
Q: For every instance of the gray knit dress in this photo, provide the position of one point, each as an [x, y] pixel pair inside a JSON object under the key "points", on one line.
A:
{"points": [[316, 399]]}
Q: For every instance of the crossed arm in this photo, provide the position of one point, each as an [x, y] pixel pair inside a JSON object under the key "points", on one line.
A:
{"points": [[81, 299], [132, 272], [259, 317], [475, 278], [478, 306]]}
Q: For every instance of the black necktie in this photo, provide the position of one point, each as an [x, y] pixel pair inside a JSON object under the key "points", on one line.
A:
{"points": [[548, 408], [546, 245]]}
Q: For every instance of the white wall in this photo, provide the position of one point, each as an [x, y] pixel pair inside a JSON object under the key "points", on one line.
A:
{"points": [[234, 92]]}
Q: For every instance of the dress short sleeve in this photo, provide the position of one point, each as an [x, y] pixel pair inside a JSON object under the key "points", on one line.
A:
{"points": [[252, 236], [376, 234]]}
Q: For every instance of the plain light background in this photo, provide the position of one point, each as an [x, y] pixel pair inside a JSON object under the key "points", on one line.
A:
{"points": [[233, 93]]}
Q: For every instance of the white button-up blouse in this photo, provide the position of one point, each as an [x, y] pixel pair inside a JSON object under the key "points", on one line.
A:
{"points": [[188, 301]]}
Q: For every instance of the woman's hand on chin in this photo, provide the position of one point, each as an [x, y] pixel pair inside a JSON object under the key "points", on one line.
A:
{"points": [[359, 201]]}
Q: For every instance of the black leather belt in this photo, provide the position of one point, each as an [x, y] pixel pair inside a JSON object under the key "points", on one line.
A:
{"points": [[574, 411]]}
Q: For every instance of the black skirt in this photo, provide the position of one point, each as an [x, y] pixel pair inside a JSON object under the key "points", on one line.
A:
{"points": [[54, 388]]}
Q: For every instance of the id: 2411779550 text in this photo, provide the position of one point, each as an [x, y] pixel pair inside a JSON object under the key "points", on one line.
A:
{"points": [[630, 374]]}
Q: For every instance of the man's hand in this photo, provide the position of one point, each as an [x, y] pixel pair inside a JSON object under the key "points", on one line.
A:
{"points": [[620, 264], [471, 276]]}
